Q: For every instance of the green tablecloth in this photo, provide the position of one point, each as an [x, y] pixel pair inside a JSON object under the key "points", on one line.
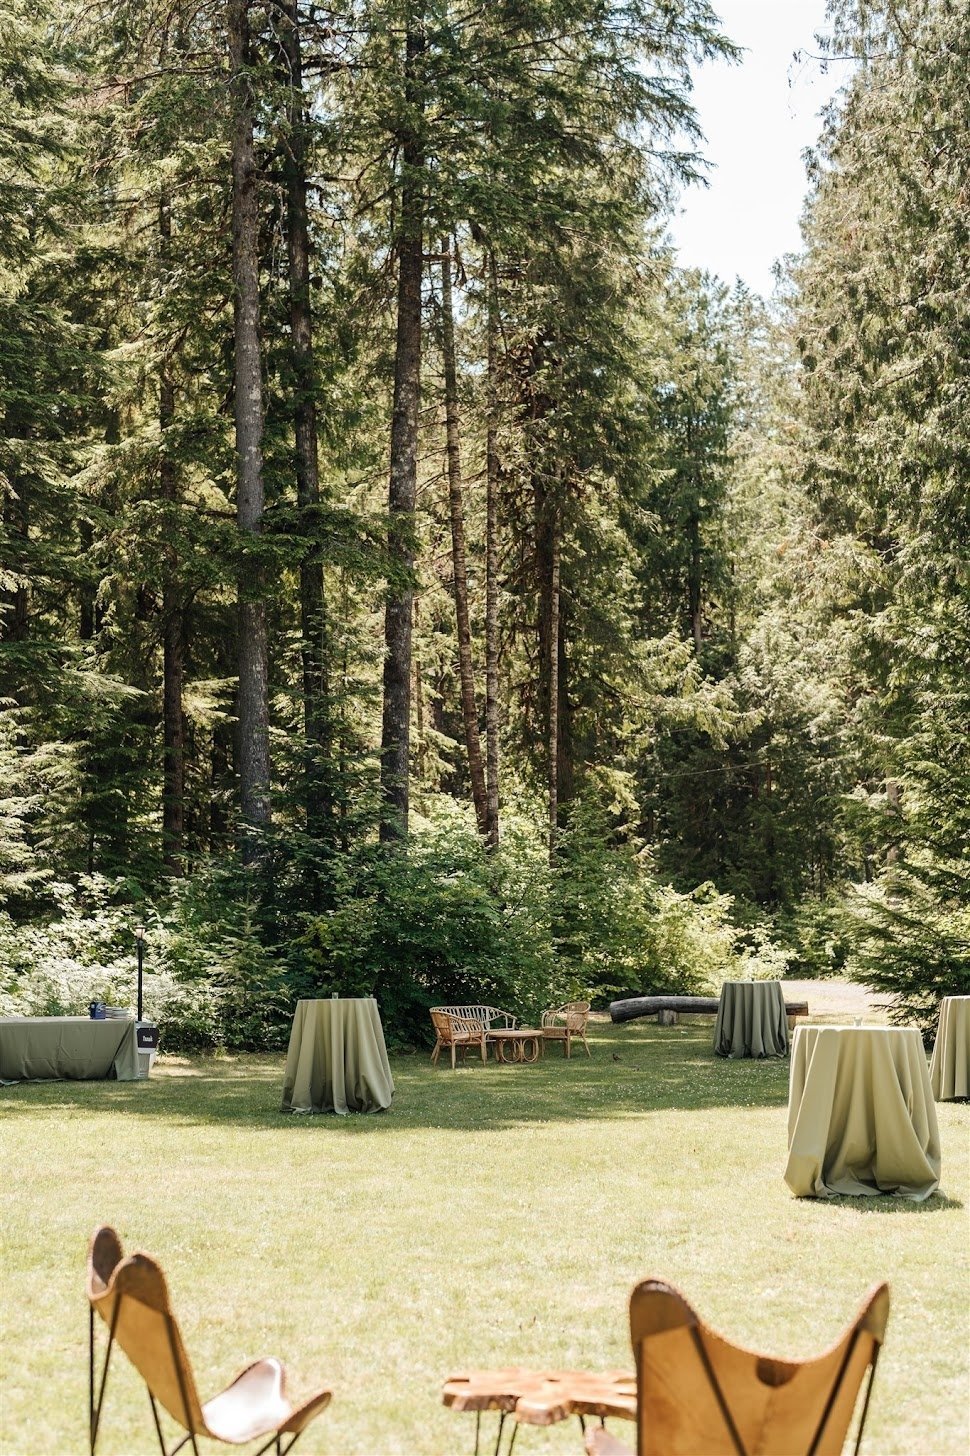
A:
{"points": [[751, 1020], [950, 1067], [66, 1047], [337, 1060], [861, 1117]]}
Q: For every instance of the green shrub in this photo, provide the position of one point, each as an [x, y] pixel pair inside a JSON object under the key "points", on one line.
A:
{"points": [[815, 936], [433, 923], [623, 932], [911, 933], [84, 950]]}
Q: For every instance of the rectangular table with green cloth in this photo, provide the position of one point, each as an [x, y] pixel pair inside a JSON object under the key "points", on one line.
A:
{"points": [[950, 1067], [58, 1048], [337, 1060], [751, 1020], [861, 1117]]}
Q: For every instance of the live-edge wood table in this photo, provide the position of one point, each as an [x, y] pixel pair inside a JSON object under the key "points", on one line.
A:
{"points": [[540, 1397]]}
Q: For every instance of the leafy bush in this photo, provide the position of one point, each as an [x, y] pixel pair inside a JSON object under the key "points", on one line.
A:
{"points": [[437, 922], [814, 934], [208, 980], [85, 951], [912, 936], [625, 932], [214, 944]]}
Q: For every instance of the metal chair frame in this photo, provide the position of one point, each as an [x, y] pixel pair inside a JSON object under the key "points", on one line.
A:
{"points": [[96, 1402]]}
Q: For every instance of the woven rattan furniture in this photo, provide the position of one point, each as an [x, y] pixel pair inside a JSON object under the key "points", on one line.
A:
{"points": [[493, 1018], [131, 1296], [564, 1023], [696, 1392], [467, 1025], [540, 1397], [521, 1045], [456, 1033]]}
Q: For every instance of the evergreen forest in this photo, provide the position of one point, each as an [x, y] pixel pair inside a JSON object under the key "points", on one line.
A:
{"points": [[413, 581]]}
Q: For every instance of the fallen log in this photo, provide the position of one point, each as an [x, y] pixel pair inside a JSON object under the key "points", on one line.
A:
{"points": [[650, 1005], [635, 1006]]}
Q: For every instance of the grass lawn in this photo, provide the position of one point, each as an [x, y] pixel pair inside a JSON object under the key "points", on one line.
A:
{"points": [[496, 1215]]}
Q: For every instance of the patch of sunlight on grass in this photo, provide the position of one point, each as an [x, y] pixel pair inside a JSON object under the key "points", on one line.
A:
{"points": [[494, 1215]]}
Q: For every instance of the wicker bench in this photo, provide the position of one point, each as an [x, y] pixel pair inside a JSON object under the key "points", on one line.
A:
{"points": [[460, 1027]]}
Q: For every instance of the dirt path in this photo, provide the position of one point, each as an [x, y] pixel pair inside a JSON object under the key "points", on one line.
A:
{"points": [[837, 1000]]}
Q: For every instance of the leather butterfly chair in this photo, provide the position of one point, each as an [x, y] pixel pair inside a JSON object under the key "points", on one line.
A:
{"points": [[131, 1297], [696, 1393]]}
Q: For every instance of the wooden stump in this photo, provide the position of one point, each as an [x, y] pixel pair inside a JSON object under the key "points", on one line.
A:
{"points": [[666, 1018]]}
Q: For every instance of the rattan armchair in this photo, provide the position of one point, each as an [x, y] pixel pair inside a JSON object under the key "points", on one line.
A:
{"points": [[564, 1023], [456, 1033], [131, 1296]]}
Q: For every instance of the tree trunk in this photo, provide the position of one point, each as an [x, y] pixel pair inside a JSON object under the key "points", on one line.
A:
{"points": [[469, 706], [565, 754], [553, 671], [221, 776], [553, 704], [312, 595], [173, 624], [396, 721], [634, 1006], [421, 752], [491, 562], [253, 706], [694, 580]]}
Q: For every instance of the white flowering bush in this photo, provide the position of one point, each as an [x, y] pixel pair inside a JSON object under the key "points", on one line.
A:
{"points": [[85, 951]]}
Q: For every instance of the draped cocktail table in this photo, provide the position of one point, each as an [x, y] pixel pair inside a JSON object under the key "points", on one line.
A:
{"points": [[337, 1060], [950, 1067], [752, 1020], [861, 1117]]}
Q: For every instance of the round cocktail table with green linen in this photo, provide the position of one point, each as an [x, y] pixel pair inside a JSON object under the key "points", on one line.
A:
{"points": [[950, 1067], [337, 1060], [861, 1118], [751, 1020]]}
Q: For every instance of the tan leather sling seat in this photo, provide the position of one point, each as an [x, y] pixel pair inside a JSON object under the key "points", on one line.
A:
{"points": [[699, 1395], [131, 1296]]}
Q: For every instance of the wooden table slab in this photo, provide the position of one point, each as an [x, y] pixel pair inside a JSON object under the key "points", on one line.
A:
{"points": [[543, 1397]]}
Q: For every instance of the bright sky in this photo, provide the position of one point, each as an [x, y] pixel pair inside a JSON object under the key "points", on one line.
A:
{"points": [[758, 117]]}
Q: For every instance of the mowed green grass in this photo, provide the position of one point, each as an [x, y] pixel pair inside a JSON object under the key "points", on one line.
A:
{"points": [[495, 1215]]}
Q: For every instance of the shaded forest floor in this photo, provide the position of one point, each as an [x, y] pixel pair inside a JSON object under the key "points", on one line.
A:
{"points": [[495, 1215]]}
